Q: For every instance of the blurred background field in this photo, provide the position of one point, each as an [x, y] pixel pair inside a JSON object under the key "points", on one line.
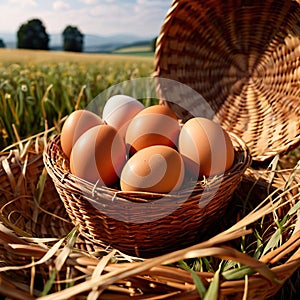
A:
{"points": [[40, 85]]}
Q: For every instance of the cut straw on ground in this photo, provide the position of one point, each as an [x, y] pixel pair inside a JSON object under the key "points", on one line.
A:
{"points": [[110, 272]]}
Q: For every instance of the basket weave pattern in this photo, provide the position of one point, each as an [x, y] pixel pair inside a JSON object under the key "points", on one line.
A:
{"points": [[99, 212], [243, 58]]}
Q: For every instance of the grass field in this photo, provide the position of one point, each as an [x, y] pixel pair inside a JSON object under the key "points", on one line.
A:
{"points": [[37, 56], [42, 85]]}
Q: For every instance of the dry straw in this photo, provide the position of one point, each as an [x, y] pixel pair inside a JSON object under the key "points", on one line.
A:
{"points": [[60, 265]]}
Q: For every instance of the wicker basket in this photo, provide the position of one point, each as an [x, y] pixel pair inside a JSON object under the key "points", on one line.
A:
{"points": [[117, 218], [243, 58]]}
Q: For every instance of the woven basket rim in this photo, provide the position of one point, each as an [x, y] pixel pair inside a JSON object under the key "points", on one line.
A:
{"points": [[240, 166]]}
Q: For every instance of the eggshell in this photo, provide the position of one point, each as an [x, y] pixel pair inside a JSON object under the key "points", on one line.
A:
{"points": [[154, 125], [119, 110], [205, 147], [98, 155], [157, 169], [75, 125]]}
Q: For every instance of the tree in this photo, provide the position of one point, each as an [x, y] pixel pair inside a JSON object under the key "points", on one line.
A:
{"points": [[33, 35], [2, 44], [73, 39], [153, 44]]}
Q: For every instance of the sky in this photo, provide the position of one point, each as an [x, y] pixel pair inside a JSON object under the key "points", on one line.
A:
{"points": [[101, 17]]}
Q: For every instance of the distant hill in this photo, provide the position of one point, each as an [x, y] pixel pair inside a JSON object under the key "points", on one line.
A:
{"points": [[9, 39], [92, 43], [137, 48], [146, 43]]}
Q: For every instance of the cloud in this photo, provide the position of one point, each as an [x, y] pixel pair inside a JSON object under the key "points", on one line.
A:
{"points": [[144, 5], [106, 10], [142, 17], [24, 3], [60, 5], [88, 2], [104, 17], [94, 2]]}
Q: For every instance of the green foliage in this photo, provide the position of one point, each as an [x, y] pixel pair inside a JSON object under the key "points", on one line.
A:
{"points": [[2, 44], [73, 39], [153, 44], [33, 35], [33, 92], [201, 289]]}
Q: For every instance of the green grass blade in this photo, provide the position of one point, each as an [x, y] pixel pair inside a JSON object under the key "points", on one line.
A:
{"points": [[40, 186], [49, 283], [238, 273], [273, 242], [294, 209], [213, 289], [200, 287]]}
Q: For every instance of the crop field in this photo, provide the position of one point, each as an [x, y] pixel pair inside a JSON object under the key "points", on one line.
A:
{"points": [[136, 50], [36, 86]]}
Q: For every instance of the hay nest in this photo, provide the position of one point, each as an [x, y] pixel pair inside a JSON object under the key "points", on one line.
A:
{"points": [[253, 252]]}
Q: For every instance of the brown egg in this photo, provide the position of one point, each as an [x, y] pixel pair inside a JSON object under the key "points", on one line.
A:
{"points": [[157, 169], [154, 125], [75, 125], [98, 155], [205, 147]]}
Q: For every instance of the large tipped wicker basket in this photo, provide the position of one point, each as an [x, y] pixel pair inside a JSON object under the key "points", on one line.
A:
{"points": [[243, 58], [140, 223]]}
